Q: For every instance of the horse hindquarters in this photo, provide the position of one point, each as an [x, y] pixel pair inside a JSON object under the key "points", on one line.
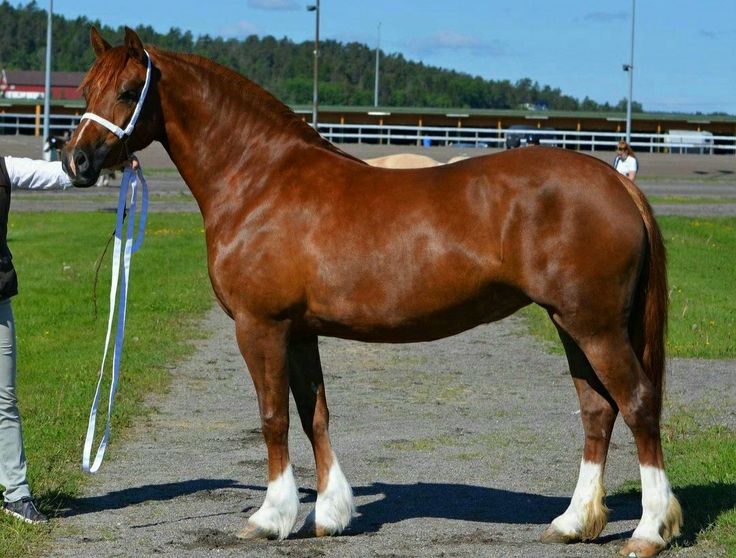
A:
{"points": [[621, 335]]}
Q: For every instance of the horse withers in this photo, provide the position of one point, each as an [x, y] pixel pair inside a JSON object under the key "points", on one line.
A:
{"points": [[304, 241]]}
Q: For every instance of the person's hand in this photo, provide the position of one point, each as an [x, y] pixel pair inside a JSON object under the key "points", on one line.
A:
{"points": [[133, 163]]}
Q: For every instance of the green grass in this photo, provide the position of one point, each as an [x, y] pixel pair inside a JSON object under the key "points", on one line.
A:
{"points": [[702, 282], [694, 200], [60, 341], [700, 456]]}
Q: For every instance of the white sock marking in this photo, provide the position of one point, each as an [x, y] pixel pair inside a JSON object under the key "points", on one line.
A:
{"points": [[655, 499], [571, 522], [334, 508], [277, 515]]}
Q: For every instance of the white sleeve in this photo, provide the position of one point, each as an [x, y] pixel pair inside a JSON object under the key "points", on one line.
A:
{"points": [[34, 174]]}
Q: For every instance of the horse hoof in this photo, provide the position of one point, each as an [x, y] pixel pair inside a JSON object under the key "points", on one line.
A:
{"points": [[251, 531], [553, 536], [640, 548]]}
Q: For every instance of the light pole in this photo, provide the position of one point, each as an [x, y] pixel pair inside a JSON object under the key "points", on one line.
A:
{"points": [[315, 8], [630, 68], [47, 85], [378, 55]]}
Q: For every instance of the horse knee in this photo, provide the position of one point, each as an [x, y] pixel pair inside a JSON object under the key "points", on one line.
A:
{"points": [[275, 427]]}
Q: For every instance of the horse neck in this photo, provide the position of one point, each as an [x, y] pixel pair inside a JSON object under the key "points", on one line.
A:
{"points": [[240, 132]]}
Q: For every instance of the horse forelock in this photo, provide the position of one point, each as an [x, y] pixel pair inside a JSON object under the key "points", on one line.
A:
{"points": [[105, 70]]}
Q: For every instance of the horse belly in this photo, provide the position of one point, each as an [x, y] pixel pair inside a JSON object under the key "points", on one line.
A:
{"points": [[426, 318]]}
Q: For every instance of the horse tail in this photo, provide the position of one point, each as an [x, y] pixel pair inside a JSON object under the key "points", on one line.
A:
{"points": [[648, 320]]}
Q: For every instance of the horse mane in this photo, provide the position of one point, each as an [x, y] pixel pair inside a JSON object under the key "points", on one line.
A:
{"points": [[262, 100], [106, 69]]}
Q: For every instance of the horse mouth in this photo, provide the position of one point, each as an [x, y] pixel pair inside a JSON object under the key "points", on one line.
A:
{"points": [[81, 175]]}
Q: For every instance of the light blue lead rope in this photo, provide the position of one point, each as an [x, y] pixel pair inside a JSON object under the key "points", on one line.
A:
{"points": [[126, 248]]}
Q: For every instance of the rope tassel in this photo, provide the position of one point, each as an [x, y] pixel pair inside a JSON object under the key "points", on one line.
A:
{"points": [[126, 244]]}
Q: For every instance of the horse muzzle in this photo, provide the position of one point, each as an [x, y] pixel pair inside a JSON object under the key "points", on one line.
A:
{"points": [[81, 168]]}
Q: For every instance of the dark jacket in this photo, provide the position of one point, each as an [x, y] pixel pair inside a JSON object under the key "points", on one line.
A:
{"points": [[8, 278]]}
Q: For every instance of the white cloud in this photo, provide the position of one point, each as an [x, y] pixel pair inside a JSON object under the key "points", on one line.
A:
{"points": [[240, 29], [274, 4], [455, 41]]}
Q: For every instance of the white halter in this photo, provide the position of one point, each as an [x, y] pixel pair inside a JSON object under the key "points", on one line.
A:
{"points": [[114, 128]]}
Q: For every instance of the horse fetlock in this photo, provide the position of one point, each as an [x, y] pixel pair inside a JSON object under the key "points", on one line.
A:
{"points": [[277, 515], [587, 515], [595, 519], [334, 508], [662, 515], [651, 537], [673, 519]]}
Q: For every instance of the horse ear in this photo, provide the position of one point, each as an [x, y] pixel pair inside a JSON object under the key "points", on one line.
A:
{"points": [[99, 44], [134, 45]]}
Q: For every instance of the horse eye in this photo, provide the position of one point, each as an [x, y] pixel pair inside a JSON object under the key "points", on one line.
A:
{"points": [[129, 96]]}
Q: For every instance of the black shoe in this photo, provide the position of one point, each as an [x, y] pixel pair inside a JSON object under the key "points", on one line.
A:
{"points": [[25, 509]]}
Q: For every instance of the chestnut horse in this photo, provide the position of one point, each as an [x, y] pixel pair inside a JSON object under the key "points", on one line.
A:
{"points": [[304, 240]]}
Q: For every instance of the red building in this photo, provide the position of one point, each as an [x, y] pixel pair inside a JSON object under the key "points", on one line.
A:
{"points": [[29, 84]]}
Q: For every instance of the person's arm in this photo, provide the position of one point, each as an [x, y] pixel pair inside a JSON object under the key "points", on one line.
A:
{"points": [[633, 167], [34, 174]]}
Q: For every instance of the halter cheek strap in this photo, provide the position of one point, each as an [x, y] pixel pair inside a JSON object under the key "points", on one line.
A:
{"points": [[114, 128]]}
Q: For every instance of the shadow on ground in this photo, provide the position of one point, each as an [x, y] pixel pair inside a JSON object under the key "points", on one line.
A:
{"points": [[393, 503]]}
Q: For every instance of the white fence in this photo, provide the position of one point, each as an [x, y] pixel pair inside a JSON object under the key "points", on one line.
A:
{"points": [[497, 138], [586, 140]]}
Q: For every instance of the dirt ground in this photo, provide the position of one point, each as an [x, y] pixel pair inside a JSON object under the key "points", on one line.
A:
{"points": [[466, 446]]}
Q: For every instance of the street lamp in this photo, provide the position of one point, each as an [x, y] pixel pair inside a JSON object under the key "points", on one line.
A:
{"points": [[378, 51], [630, 69], [47, 86], [315, 8]]}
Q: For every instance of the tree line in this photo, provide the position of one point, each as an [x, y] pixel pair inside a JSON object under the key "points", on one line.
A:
{"points": [[283, 67]]}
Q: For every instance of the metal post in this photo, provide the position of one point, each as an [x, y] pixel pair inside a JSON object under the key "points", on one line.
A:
{"points": [[47, 86], [315, 9], [630, 68], [378, 55]]}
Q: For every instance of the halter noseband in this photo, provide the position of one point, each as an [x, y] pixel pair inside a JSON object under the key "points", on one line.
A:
{"points": [[123, 135]]}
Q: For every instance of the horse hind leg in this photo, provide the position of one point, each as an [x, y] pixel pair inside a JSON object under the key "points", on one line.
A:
{"points": [[587, 515], [334, 508], [264, 348], [612, 357]]}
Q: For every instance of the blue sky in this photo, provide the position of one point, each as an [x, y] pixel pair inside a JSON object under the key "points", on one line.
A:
{"points": [[683, 53]]}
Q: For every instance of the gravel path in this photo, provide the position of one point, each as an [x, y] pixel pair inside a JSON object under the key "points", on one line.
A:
{"points": [[467, 446]]}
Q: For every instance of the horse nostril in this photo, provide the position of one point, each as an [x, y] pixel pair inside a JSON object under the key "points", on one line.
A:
{"points": [[81, 162]]}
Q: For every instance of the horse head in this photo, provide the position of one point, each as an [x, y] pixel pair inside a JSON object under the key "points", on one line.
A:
{"points": [[122, 109]]}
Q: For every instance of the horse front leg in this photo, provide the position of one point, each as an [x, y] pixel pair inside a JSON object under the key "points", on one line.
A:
{"points": [[263, 345], [334, 508]]}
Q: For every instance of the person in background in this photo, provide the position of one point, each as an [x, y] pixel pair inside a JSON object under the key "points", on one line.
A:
{"points": [[29, 174], [625, 161]]}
